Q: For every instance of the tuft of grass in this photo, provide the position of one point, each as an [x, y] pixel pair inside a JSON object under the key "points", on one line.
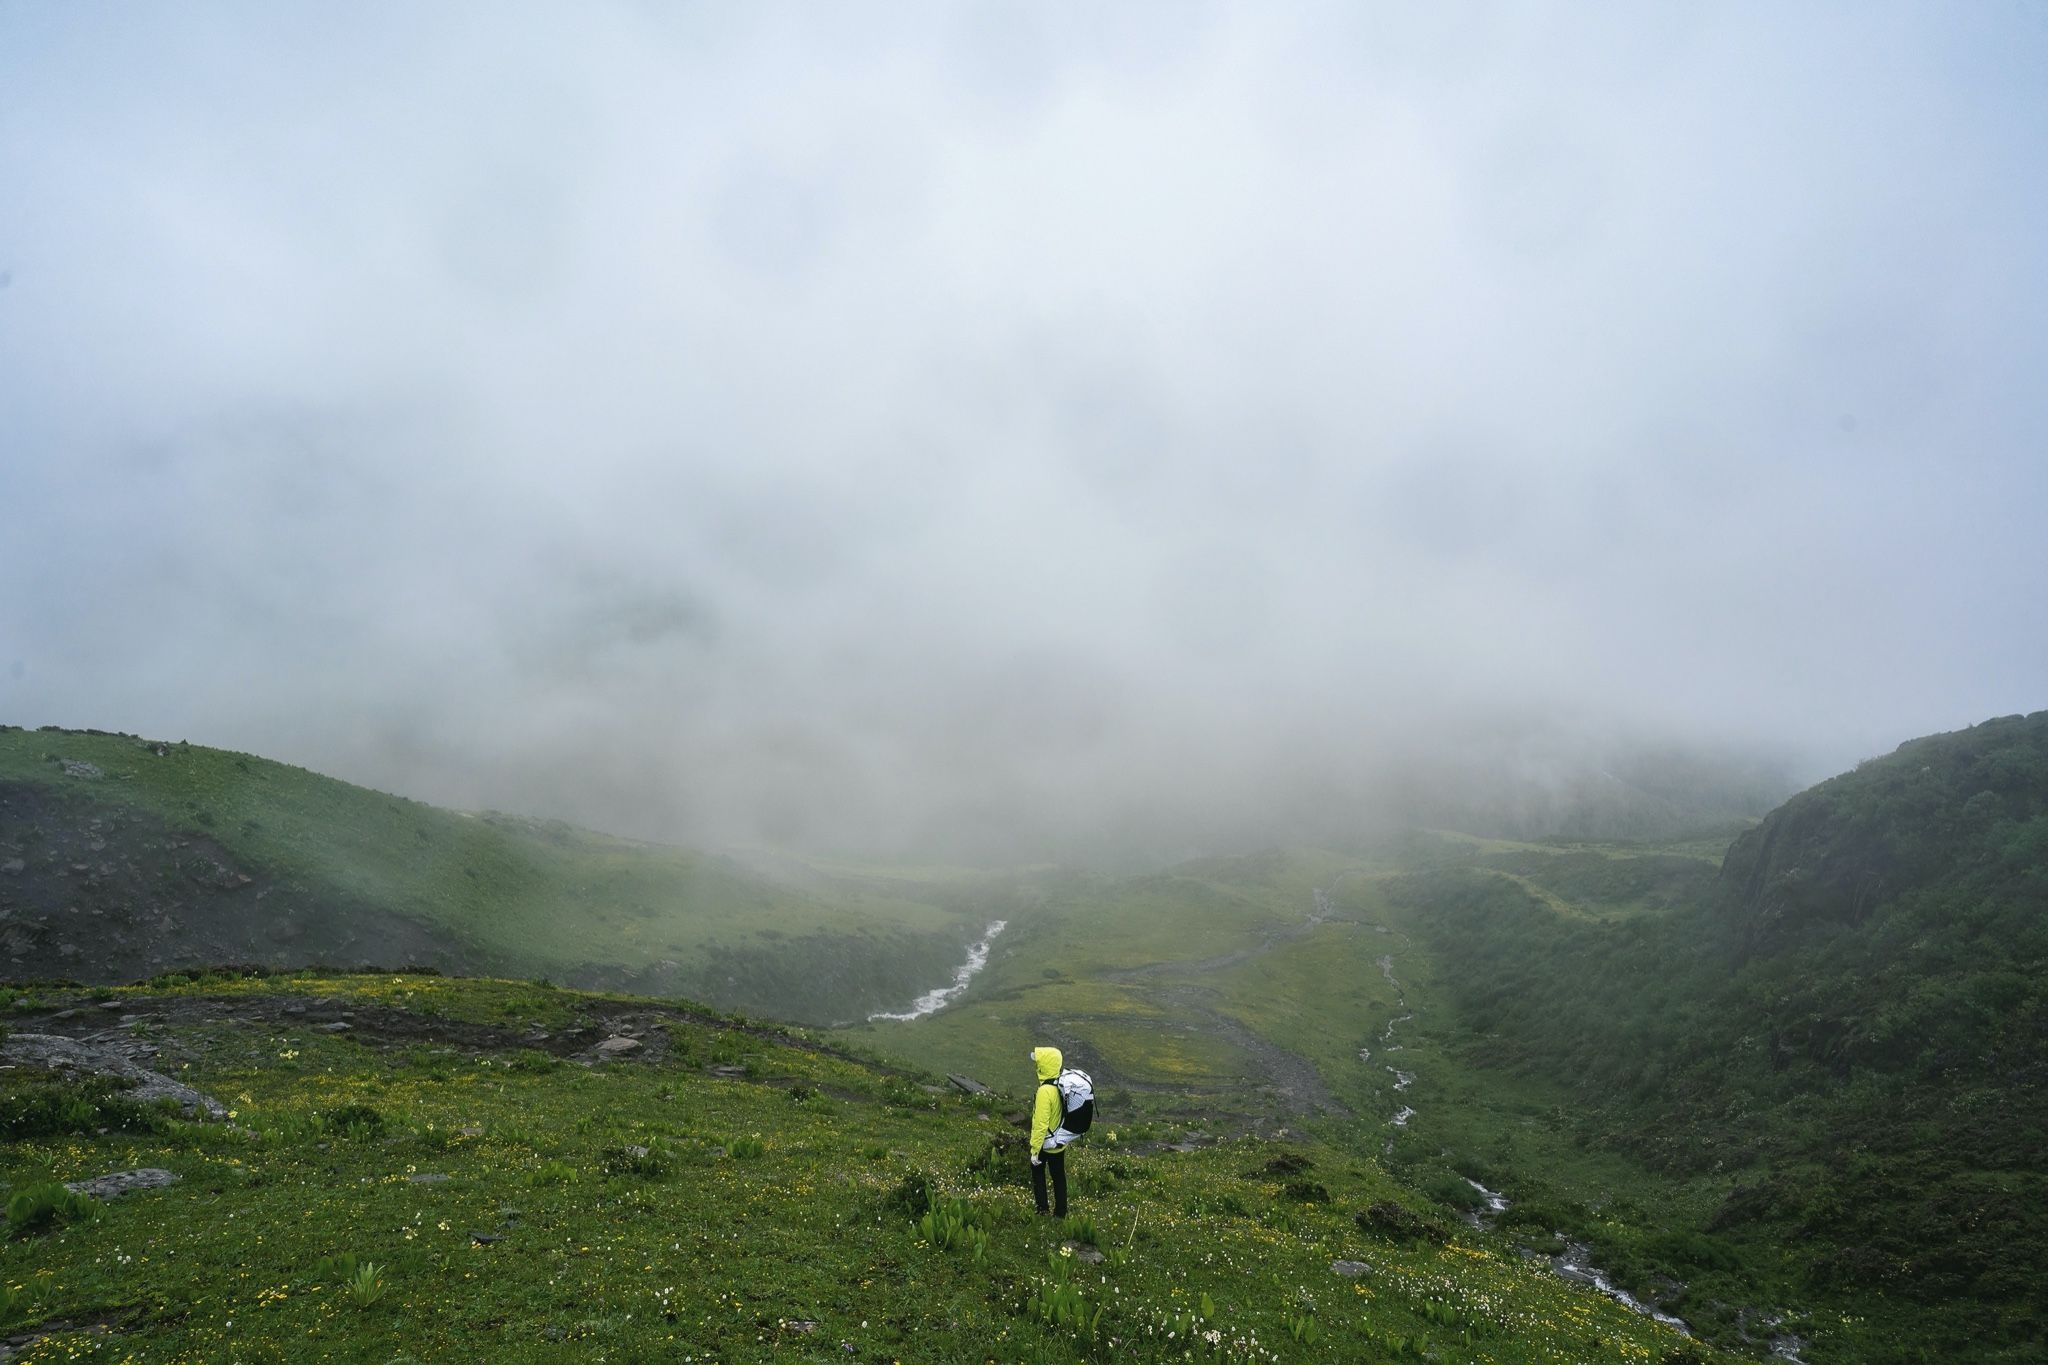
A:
{"points": [[366, 1285], [355, 1121], [43, 1205]]}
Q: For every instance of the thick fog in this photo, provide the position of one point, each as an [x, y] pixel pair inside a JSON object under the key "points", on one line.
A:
{"points": [[920, 427]]}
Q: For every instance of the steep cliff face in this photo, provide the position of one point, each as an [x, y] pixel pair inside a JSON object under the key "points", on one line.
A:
{"points": [[1951, 829]]}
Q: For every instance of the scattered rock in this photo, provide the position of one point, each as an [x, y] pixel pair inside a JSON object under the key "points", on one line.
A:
{"points": [[1351, 1270], [728, 1071], [338, 1026], [1083, 1252], [54, 1052], [801, 1325], [617, 1046], [484, 1239], [112, 1005], [427, 1178], [78, 767], [13, 867], [967, 1083], [117, 1183]]}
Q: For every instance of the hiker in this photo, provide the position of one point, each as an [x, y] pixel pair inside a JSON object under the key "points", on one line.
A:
{"points": [[1062, 1112]]}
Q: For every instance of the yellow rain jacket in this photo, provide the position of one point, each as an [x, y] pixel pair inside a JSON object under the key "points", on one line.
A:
{"points": [[1047, 1111]]}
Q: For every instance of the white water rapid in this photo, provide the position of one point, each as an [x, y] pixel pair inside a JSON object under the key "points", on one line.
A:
{"points": [[1573, 1265], [937, 998]]}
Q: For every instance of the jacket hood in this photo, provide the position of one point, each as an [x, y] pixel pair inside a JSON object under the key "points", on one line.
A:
{"points": [[1049, 1062]]}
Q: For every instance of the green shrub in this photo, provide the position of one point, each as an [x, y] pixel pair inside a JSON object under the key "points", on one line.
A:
{"points": [[913, 1194], [655, 1161], [41, 1205], [1452, 1192], [1228, 1205], [992, 1162], [1390, 1220], [353, 1121], [1680, 1254], [75, 1107]]}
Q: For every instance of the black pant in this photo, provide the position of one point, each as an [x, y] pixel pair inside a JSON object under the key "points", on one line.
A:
{"points": [[1056, 1162]]}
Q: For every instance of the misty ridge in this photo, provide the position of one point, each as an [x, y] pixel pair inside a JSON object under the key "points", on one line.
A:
{"points": [[1018, 434]]}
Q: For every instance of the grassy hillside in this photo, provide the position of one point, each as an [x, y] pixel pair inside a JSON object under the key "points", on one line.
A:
{"points": [[453, 1177], [104, 838], [1793, 1097], [1221, 990], [1827, 1063]]}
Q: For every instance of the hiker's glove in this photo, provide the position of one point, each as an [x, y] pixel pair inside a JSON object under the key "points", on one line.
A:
{"points": [[1037, 1160]]}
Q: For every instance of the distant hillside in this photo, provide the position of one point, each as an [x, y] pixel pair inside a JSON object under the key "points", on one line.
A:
{"points": [[120, 857], [1549, 785], [1950, 831], [1843, 1038]]}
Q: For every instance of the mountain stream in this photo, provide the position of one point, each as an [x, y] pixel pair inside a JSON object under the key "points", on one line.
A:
{"points": [[937, 998], [1574, 1262]]}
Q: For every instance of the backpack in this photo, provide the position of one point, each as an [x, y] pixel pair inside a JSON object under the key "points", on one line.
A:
{"points": [[1077, 1101]]}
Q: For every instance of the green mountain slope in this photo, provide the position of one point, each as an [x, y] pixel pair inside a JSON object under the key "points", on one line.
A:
{"points": [[119, 857], [1832, 1059], [438, 1170]]}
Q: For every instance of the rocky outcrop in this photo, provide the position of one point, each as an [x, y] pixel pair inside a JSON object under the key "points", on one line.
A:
{"points": [[82, 1057]]}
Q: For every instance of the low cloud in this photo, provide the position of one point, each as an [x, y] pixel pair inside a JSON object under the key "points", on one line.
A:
{"points": [[1020, 427]]}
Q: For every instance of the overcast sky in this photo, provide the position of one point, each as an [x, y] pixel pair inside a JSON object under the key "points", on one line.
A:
{"points": [[860, 422]]}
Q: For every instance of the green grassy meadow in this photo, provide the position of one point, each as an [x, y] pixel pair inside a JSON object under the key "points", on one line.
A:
{"points": [[428, 1186]]}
